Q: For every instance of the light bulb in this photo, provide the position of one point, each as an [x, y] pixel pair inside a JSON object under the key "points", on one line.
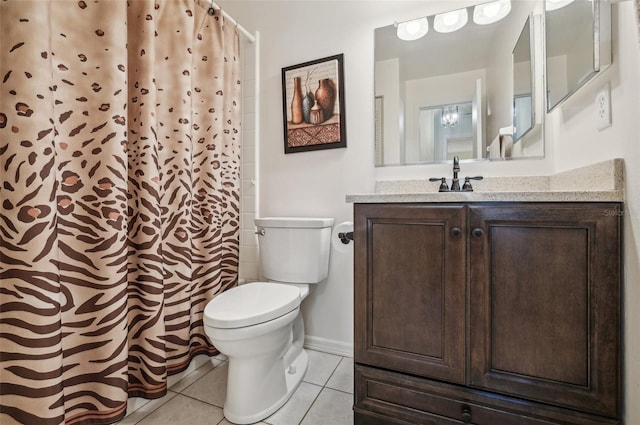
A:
{"points": [[412, 30], [450, 21], [492, 10], [488, 13]]}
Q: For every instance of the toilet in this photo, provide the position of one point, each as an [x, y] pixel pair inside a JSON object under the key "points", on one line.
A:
{"points": [[259, 325]]}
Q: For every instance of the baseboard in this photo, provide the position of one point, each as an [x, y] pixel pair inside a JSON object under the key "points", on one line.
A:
{"points": [[330, 346]]}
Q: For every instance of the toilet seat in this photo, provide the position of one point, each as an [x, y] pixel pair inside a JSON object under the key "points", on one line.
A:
{"points": [[251, 304]]}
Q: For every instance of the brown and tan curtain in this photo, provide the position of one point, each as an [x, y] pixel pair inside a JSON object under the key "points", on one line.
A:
{"points": [[119, 169]]}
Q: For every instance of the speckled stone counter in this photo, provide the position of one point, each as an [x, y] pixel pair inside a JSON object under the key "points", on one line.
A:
{"points": [[601, 182]]}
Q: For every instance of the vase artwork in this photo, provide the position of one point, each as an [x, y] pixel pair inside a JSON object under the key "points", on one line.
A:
{"points": [[307, 103], [313, 105], [316, 116], [296, 102], [313, 108], [326, 97]]}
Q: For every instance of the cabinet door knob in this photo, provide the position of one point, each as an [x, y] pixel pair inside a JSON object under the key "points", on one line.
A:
{"points": [[477, 232], [466, 416], [456, 231]]}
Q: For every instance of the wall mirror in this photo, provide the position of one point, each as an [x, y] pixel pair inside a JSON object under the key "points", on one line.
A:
{"points": [[458, 89], [578, 45]]}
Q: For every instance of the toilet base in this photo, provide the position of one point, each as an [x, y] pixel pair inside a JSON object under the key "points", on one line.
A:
{"points": [[293, 377]]}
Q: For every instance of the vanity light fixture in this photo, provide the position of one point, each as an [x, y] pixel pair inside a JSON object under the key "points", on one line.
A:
{"points": [[412, 30], [556, 4], [449, 116], [488, 13], [450, 21]]}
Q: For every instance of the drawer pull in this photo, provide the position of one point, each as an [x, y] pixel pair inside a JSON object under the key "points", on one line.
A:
{"points": [[477, 232], [466, 416], [456, 231]]}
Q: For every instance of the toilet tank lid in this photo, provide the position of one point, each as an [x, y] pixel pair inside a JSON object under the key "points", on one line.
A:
{"points": [[294, 222]]}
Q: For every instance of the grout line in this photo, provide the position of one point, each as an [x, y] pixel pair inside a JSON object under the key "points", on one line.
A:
{"points": [[201, 401], [322, 389], [153, 410], [311, 405], [332, 373], [340, 391]]}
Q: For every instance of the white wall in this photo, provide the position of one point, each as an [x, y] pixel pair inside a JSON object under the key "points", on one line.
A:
{"points": [[315, 183], [577, 142]]}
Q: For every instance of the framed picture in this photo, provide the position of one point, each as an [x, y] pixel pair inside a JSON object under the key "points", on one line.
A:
{"points": [[313, 105]]}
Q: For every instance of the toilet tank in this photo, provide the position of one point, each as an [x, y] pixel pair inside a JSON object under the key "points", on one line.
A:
{"points": [[293, 249]]}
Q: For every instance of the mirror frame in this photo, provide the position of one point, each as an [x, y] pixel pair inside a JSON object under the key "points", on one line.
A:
{"points": [[602, 56]]}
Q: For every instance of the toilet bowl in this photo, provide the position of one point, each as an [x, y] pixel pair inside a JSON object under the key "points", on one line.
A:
{"points": [[259, 326], [255, 326]]}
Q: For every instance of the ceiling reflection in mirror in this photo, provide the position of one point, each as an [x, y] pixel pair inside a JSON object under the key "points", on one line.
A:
{"points": [[452, 90]]}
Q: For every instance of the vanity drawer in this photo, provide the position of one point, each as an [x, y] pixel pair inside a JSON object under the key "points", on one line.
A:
{"points": [[414, 400]]}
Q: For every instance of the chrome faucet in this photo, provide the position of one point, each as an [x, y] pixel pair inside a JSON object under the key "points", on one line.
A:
{"points": [[455, 183]]}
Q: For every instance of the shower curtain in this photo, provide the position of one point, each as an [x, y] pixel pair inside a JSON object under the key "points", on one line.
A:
{"points": [[119, 164]]}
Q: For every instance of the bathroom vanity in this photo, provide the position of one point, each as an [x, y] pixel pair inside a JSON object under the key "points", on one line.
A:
{"points": [[492, 307]]}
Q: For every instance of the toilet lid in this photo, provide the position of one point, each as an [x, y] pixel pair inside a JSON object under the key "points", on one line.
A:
{"points": [[250, 304]]}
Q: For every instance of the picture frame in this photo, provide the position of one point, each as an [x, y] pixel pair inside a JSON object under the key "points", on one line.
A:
{"points": [[313, 105]]}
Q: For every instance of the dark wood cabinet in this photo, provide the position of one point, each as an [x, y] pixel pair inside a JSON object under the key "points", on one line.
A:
{"points": [[487, 313], [414, 286]]}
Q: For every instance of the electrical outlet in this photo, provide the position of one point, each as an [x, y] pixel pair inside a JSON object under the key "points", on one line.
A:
{"points": [[603, 107]]}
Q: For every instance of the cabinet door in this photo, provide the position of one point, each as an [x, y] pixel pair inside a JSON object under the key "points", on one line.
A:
{"points": [[410, 288], [545, 303]]}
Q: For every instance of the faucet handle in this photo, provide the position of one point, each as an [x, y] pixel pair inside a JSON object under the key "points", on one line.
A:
{"points": [[467, 184], [443, 183]]}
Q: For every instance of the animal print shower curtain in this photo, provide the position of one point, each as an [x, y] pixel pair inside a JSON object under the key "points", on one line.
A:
{"points": [[119, 161]]}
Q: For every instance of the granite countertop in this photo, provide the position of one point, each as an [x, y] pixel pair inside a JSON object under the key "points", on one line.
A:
{"points": [[601, 182]]}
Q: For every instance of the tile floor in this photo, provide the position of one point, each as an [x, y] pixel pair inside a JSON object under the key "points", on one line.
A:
{"points": [[325, 397]]}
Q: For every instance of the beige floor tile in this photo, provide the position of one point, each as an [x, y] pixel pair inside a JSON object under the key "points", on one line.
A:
{"points": [[196, 363], [182, 410], [321, 366], [203, 388], [211, 388], [148, 407], [330, 408], [342, 378], [296, 407], [198, 373]]}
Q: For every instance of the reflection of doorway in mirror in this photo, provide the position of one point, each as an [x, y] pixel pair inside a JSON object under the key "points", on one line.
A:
{"points": [[462, 147], [440, 142], [522, 115]]}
